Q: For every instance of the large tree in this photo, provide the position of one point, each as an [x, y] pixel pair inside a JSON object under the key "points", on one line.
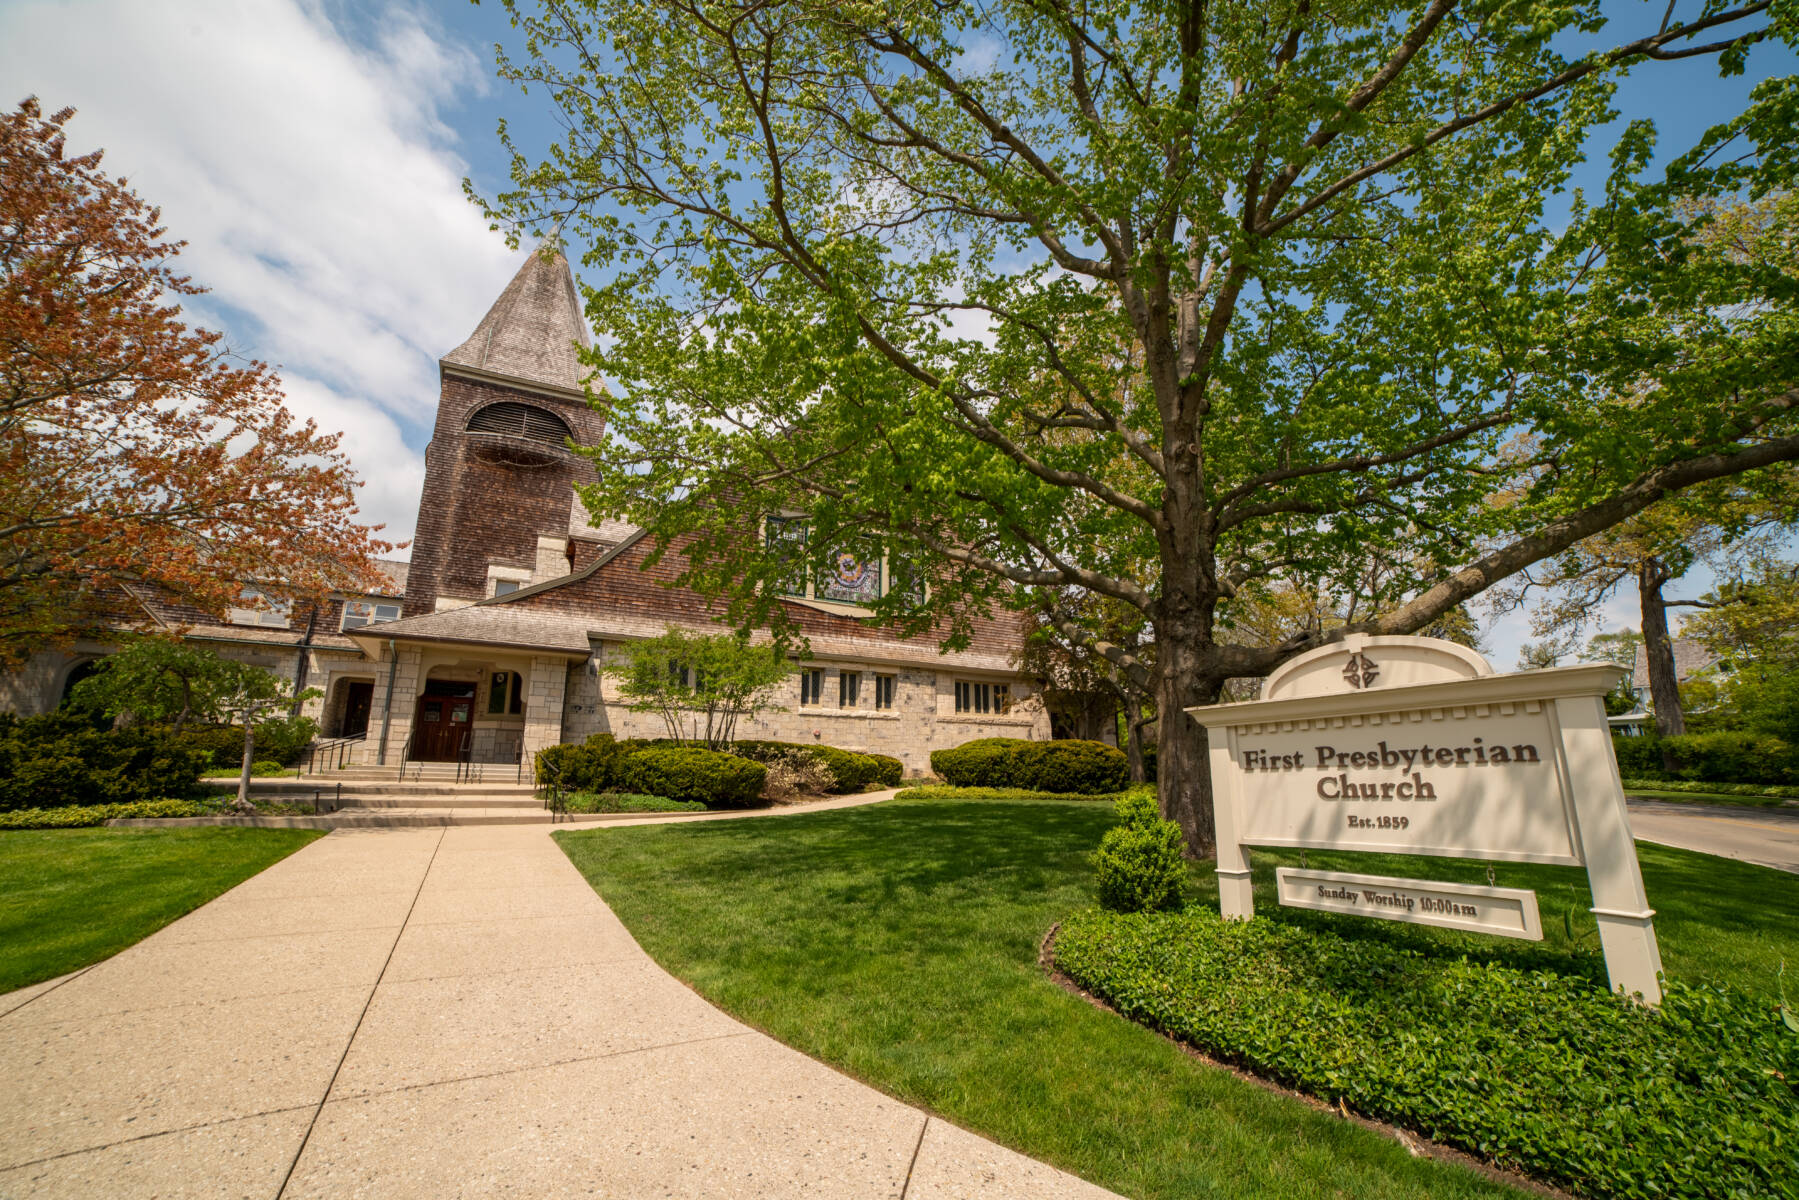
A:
{"points": [[134, 449], [1049, 290]]}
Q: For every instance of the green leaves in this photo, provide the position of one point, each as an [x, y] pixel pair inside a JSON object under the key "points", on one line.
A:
{"points": [[1542, 1073]]}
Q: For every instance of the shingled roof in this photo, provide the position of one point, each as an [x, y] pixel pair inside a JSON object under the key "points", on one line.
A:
{"points": [[531, 332]]}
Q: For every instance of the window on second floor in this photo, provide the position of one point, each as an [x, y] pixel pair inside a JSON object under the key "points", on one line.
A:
{"points": [[505, 587], [259, 608], [358, 613]]}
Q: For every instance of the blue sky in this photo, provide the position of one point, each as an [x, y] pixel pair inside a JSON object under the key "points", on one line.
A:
{"points": [[312, 152]]}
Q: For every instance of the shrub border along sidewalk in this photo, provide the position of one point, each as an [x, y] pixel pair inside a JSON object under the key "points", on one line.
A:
{"points": [[1750, 790], [1692, 1100]]}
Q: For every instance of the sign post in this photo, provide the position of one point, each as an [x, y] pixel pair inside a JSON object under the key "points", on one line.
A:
{"points": [[1406, 745]]}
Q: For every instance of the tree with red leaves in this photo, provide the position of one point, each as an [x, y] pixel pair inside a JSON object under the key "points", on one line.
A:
{"points": [[135, 450]]}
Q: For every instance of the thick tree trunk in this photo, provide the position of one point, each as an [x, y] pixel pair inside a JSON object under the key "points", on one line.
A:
{"points": [[1183, 774], [1664, 684]]}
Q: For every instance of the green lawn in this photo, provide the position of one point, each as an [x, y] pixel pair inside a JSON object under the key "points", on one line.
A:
{"points": [[899, 942], [70, 897], [1731, 800]]}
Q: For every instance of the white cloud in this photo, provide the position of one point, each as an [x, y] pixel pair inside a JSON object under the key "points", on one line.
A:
{"points": [[315, 181]]}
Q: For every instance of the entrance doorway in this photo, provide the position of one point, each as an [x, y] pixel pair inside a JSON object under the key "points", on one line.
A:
{"points": [[445, 720], [359, 697]]}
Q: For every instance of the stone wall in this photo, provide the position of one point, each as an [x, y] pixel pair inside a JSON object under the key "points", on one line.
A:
{"points": [[923, 718]]}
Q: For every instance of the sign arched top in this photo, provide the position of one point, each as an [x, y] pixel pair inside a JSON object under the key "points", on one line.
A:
{"points": [[1365, 662]]}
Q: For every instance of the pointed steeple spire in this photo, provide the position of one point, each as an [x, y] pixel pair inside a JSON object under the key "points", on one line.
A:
{"points": [[531, 332]]}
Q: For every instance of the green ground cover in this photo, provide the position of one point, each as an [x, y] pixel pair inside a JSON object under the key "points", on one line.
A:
{"points": [[899, 942], [628, 802], [1701, 795], [70, 897]]}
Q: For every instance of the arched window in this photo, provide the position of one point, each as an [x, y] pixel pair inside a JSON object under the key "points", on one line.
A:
{"points": [[520, 420]]}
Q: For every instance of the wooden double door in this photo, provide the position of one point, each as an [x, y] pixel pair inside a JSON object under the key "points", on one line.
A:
{"points": [[445, 723]]}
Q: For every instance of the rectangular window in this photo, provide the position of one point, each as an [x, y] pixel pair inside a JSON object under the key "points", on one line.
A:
{"points": [[505, 587], [1002, 697], [786, 542], [358, 613], [849, 689], [506, 694], [973, 697], [812, 687], [884, 691], [259, 608]]}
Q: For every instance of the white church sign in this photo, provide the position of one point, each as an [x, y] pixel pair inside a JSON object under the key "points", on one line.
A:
{"points": [[1405, 745]]}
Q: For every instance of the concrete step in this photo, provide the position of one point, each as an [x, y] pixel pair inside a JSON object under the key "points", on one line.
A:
{"points": [[328, 785], [360, 801]]}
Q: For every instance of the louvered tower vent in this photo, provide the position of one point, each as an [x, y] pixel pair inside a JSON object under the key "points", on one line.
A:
{"points": [[520, 420]]}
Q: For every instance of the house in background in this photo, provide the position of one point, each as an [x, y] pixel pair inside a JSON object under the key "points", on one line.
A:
{"points": [[488, 646], [1691, 661]]}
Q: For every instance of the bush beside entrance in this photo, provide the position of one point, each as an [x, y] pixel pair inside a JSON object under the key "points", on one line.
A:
{"points": [[60, 760], [603, 763], [1069, 766]]}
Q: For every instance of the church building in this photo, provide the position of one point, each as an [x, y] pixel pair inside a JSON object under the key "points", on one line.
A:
{"points": [[488, 646]]}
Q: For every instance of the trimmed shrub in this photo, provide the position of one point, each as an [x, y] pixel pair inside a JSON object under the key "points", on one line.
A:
{"points": [[1639, 757], [984, 762], [77, 816], [1074, 766], [850, 771], [1539, 1072], [889, 771], [264, 768], [1139, 860], [1068, 766], [1731, 756], [794, 774], [716, 779], [943, 791], [60, 760]]}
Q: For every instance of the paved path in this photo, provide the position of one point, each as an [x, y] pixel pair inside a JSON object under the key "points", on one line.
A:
{"points": [[1768, 837], [438, 1013]]}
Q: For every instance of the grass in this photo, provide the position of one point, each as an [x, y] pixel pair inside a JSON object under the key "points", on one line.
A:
{"points": [[237, 773], [899, 943], [70, 897], [944, 791], [1736, 801]]}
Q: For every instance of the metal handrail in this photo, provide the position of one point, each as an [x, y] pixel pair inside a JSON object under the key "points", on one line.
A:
{"points": [[336, 749]]}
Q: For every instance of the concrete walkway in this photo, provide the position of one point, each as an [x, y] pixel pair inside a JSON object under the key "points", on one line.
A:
{"points": [[438, 1013], [1768, 837]]}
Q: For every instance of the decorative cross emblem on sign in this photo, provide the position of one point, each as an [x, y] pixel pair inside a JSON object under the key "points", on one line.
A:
{"points": [[1359, 671]]}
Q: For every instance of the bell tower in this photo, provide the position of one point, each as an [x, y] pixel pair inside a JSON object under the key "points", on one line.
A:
{"points": [[495, 511]]}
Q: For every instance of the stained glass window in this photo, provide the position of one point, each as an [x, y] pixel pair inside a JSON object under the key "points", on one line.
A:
{"points": [[852, 576]]}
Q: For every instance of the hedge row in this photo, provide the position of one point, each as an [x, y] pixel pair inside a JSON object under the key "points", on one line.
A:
{"points": [[1059, 766], [61, 760], [1724, 756], [1717, 789], [851, 770], [603, 763], [1539, 1072], [74, 816], [628, 802]]}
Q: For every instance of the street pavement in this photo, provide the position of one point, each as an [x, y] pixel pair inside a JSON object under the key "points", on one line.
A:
{"points": [[1768, 837]]}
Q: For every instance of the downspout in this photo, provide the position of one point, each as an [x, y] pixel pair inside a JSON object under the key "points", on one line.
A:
{"points": [[387, 702], [312, 620]]}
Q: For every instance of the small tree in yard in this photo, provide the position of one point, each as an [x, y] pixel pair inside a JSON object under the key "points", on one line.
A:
{"points": [[156, 680], [700, 684]]}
